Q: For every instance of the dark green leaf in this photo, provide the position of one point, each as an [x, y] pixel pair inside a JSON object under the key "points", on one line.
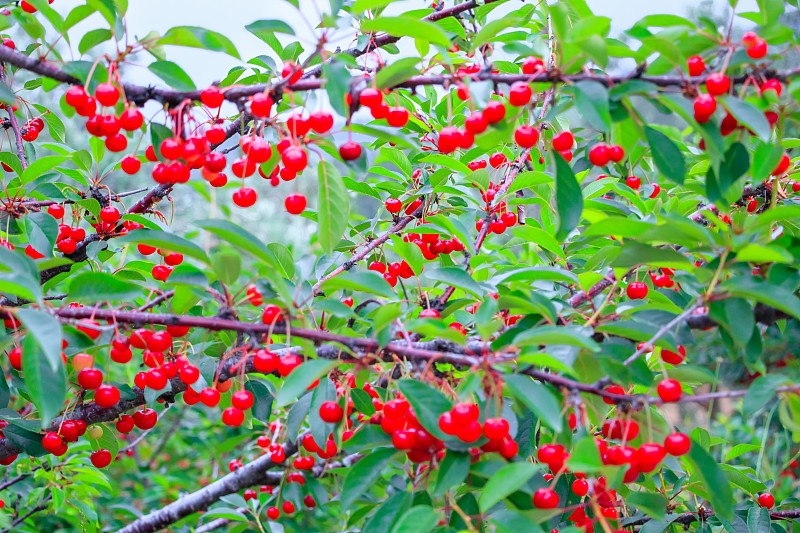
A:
{"points": [[334, 207], [195, 37], [714, 480], [408, 27], [591, 99], [364, 474], [301, 377], [46, 329], [47, 386], [263, 394], [267, 28], [453, 471], [92, 39], [569, 200], [428, 404], [537, 397], [666, 155], [90, 287], [507, 480], [418, 519], [172, 74]]}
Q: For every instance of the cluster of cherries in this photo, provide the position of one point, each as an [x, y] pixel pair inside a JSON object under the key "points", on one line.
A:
{"points": [[463, 422]]}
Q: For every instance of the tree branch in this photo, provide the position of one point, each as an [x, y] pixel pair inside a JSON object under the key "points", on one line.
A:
{"points": [[12, 117]]}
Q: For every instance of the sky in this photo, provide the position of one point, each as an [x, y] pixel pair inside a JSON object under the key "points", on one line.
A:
{"points": [[229, 17]]}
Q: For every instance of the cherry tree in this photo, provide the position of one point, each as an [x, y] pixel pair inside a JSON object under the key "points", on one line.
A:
{"points": [[547, 278]]}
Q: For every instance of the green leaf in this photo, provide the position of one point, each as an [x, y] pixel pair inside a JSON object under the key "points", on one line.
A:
{"points": [[7, 96], [93, 38], [41, 166], [714, 480], [453, 471], [653, 504], [585, 457], [360, 6], [337, 85], [758, 519], [47, 386], [107, 440], [569, 200], [666, 155], [264, 29], [765, 159], [41, 230], [46, 329], [363, 475], [760, 392], [491, 29], [238, 237], [418, 519], [733, 167], [263, 395], [749, 115], [91, 287], [195, 37], [505, 481], [227, 266], [408, 27], [537, 398], [301, 378], [370, 282], [397, 72], [428, 404], [456, 276], [334, 207], [591, 100], [172, 74], [557, 335], [762, 291], [635, 253], [166, 241]]}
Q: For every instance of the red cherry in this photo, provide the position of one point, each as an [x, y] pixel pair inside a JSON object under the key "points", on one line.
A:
{"points": [[131, 119], [76, 96], [171, 148], [495, 112], [212, 97], [232, 416], [107, 94], [563, 141], [288, 507], [449, 140], [532, 65], [758, 50], [476, 122], [599, 155], [245, 197], [295, 203], [636, 290], [766, 500], [109, 214], [393, 205], [125, 424], [273, 513], [749, 39], [101, 458], [145, 419], [291, 71], [331, 412], [526, 136], [161, 272], [545, 499], [106, 396], [370, 97], [718, 83], [633, 182], [696, 65], [519, 94], [783, 165], [397, 117], [294, 158], [672, 357], [677, 444], [495, 428], [261, 105], [56, 211], [429, 313], [670, 390], [288, 363], [320, 121], [350, 151], [130, 164], [90, 378], [242, 399], [580, 487], [210, 397], [497, 160], [704, 107]]}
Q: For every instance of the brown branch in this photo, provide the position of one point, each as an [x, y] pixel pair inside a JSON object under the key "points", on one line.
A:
{"points": [[41, 507], [12, 117]]}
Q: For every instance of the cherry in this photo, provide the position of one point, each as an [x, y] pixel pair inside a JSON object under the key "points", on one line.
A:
{"points": [[563, 141], [145, 419], [532, 65], [429, 313], [161, 272], [30, 133], [495, 112], [545, 499], [294, 158], [696, 65], [76, 96], [212, 97], [766, 500], [397, 117], [497, 160], [242, 399], [308, 501], [131, 119], [273, 513], [107, 94], [526, 136], [495, 428], [101, 458], [599, 155], [232, 416], [704, 107], [769, 85], [189, 374], [109, 214], [758, 50], [446, 423], [469, 432], [449, 140], [331, 412], [210, 397], [669, 390], [636, 290], [783, 165], [245, 197], [614, 389], [56, 211], [295, 203], [580, 487], [476, 122], [677, 444], [749, 39], [288, 507], [288, 363], [15, 358], [380, 111], [130, 164], [261, 104], [370, 97], [125, 424], [350, 151], [155, 379], [51, 441], [393, 205], [90, 378], [31, 252], [717, 84], [519, 94], [633, 182], [106, 396], [291, 71]]}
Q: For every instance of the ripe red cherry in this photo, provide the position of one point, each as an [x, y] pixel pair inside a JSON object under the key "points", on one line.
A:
{"points": [[232, 416], [599, 155], [295, 203], [429, 313], [758, 50], [519, 94], [109, 214], [56, 211], [290, 68], [476, 122], [672, 357], [288, 507], [189, 374], [288, 363], [532, 65], [370, 97], [273, 513], [331, 412], [704, 107], [718, 83], [497, 160], [749, 39], [171, 148], [107, 94], [563, 141], [161, 272], [783, 165], [677, 444], [320, 121], [260, 104], [397, 117], [209, 396], [545, 499], [130, 164], [766, 500], [495, 428], [670, 390], [212, 97], [696, 65], [131, 119], [633, 182], [636, 290], [106, 396], [449, 140], [526, 136], [245, 197], [393, 205], [51, 441], [495, 112], [145, 419], [580, 487], [90, 378], [100, 458], [294, 158], [76, 96], [350, 151], [125, 424]]}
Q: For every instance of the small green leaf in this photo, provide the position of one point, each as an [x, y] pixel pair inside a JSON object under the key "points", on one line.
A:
{"points": [[505, 481], [47, 386], [569, 200], [418, 519], [195, 37], [714, 480], [749, 115], [635, 253], [408, 27], [238, 237], [263, 395], [456, 276], [90, 287], [227, 266], [46, 329], [172, 74], [653, 504], [166, 241], [453, 471], [93, 38], [760, 392], [370, 282], [363, 475], [591, 100], [334, 206], [428, 404], [40, 167], [666, 155], [266, 28], [537, 398]]}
